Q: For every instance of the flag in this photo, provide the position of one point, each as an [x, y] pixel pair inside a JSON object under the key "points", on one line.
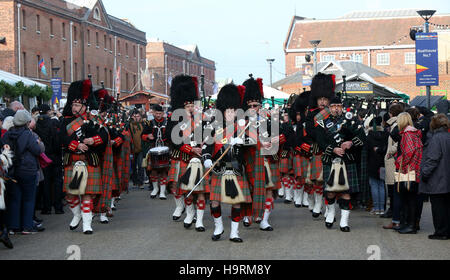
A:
{"points": [[42, 67], [169, 80], [215, 88]]}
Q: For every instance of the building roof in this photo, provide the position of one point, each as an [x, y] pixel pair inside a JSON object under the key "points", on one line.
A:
{"points": [[12, 79], [375, 28], [338, 68]]}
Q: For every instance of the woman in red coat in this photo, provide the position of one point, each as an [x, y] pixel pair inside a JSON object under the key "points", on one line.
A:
{"points": [[409, 160]]}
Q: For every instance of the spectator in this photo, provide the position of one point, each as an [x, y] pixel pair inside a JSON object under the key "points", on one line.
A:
{"points": [[136, 128], [424, 122], [47, 130], [435, 175], [409, 160], [16, 106], [5, 162], [22, 195], [389, 162], [377, 143]]}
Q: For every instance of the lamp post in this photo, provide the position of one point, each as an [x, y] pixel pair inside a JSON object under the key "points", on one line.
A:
{"points": [[315, 43], [270, 60], [426, 15]]}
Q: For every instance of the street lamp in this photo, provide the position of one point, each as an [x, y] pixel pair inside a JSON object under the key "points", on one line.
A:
{"points": [[315, 43], [270, 60], [426, 15]]}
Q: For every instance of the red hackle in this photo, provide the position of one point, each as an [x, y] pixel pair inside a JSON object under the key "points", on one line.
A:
{"points": [[87, 85], [260, 84]]}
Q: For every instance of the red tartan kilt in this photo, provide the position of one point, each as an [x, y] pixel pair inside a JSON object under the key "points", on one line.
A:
{"points": [[173, 177], [285, 165], [276, 176], [94, 182], [316, 167], [216, 188]]}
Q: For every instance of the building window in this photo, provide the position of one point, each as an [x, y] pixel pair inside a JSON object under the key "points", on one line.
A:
{"points": [[24, 19], [98, 75], [134, 80], [106, 77], [383, 59], [75, 38], [24, 58], [51, 28], [63, 30], [110, 44], [126, 49], [64, 71], [97, 14], [134, 51], [89, 69], [38, 24], [110, 79], [410, 58], [357, 58], [89, 37], [118, 46], [52, 65], [38, 73], [328, 58], [96, 39], [105, 41], [127, 85]]}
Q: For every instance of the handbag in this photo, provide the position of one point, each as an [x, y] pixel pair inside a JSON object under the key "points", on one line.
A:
{"points": [[402, 178], [44, 161]]}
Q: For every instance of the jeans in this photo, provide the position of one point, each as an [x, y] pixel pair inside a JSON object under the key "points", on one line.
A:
{"points": [[21, 201], [378, 193], [137, 174]]}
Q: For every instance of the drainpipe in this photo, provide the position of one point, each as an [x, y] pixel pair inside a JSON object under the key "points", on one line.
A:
{"points": [[18, 39]]}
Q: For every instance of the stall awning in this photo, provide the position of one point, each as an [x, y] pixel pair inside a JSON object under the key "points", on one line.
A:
{"points": [[421, 101], [12, 79]]}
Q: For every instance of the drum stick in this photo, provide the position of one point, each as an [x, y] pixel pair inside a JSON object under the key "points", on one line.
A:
{"points": [[217, 161]]}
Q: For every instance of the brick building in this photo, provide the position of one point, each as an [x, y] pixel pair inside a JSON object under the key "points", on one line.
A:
{"points": [[78, 36], [167, 61], [378, 39]]}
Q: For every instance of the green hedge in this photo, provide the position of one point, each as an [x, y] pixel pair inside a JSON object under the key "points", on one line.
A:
{"points": [[14, 91]]}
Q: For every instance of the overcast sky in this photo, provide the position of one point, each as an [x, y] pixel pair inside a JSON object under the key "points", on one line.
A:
{"points": [[239, 35]]}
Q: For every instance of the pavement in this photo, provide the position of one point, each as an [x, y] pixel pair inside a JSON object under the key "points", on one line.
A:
{"points": [[142, 229]]}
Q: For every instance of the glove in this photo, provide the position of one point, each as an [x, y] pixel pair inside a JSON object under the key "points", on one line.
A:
{"points": [[236, 141], [208, 164]]}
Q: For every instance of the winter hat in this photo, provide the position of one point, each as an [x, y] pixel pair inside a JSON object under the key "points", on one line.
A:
{"points": [[21, 118], [8, 123]]}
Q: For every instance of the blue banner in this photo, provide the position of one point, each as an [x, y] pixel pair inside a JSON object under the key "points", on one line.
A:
{"points": [[427, 64], [56, 84]]}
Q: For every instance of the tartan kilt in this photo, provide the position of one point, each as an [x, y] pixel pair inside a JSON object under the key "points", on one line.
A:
{"points": [[174, 177], [275, 176], [94, 182], [352, 175], [216, 188], [315, 166], [285, 165]]}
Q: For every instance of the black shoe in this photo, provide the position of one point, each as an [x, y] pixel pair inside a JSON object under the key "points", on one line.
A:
{"points": [[345, 229], [298, 205], [246, 224], [236, 240], [153, 196], [46, 212], [316, 215], [4, 238], [216, 237], [266, 229], [176, 218], [88, 232], [36, 219], [408, 230], [399, 227], [75, 227], [438, 237], [200, 229], [329, 225], [104, 222], [287, 201], [387, 214], [186, 226]]}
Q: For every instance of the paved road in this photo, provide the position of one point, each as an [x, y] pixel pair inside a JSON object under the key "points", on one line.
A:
{"points": [[142, 229]]}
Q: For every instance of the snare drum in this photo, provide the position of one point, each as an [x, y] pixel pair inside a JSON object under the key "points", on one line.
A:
{"points": [[159, 157]]}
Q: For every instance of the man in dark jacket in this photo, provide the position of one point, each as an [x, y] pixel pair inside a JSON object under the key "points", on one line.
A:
{"points": [[47, 128]]}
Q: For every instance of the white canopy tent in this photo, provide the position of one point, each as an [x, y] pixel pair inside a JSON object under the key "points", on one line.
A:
{"points": [[12, 79]]}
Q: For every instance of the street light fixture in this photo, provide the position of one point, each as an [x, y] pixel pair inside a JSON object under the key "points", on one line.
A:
{"points": [[270, 60], [315, 43], [426, 15]]}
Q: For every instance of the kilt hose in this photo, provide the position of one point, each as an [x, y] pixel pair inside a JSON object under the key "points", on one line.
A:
{"points": [[352, 175], [216, 188], [177, 169], [94, 181]]}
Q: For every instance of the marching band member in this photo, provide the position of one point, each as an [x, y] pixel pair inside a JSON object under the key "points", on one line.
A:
{"points": [[228, 182], [186, 168], [261, 172], [153, 135], [83, 146], [341, 138]]}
